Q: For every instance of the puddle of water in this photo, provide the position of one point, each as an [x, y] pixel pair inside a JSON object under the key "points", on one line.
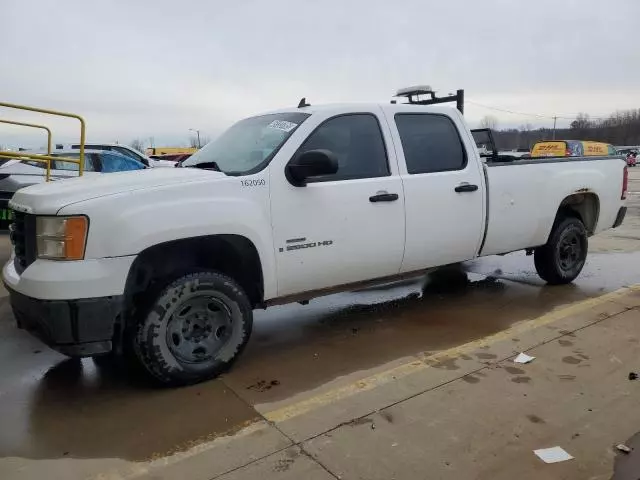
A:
{"points": [[79, 411]]}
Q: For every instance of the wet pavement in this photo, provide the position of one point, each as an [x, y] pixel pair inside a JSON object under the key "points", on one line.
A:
{"points": [[53, 407]]}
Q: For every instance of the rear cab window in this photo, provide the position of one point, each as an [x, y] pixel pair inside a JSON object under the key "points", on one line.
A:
{"points": [[431, 143]]}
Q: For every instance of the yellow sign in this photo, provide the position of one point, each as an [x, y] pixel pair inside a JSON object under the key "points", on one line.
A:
{"points": [[571, 148], [549, 149], [170, 150], [595, 149]]}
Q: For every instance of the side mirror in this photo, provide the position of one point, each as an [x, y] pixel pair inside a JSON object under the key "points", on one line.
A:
{"points": [[312, 163]]}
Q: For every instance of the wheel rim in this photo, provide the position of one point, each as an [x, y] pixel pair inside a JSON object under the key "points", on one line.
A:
{"points": [[570, 251], [199, 328]]}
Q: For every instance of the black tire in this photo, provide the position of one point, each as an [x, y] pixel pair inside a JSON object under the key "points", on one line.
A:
{"points": [[561, 260], [194, 330]]}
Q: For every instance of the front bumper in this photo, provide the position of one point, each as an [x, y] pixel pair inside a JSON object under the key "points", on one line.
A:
{"points": [[60, 280], [620, 217], [77, 328], [72, 307]]}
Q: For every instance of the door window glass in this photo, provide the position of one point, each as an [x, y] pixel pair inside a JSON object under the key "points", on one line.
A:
{"points": [[431, 143], [357, 142]]}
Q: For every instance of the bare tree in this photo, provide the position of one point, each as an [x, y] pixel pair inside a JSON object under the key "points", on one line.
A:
{"points": [[489, 121], [137, 144], [193, 141], [581, 123], [524, 139], [619, 128]]}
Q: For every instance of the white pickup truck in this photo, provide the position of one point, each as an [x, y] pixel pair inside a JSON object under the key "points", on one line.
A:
{"points": [[166, 265]]}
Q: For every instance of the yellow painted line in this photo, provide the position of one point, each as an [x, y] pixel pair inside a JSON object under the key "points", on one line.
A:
{"points": [[387, 376]]}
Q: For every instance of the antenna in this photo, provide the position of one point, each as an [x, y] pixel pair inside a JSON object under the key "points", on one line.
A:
{"points": [[303, 103]]}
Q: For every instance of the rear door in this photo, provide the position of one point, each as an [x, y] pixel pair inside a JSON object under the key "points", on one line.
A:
{"points": [[443, 186]]}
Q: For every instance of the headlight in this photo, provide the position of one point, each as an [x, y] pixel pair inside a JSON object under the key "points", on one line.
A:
{"points": [[61, 238]]}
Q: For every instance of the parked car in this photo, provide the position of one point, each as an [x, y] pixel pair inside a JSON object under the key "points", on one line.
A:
{"points": [[17, 174], [632, 159], [123, 150], [285, 207], [572, 148], [631, 156]]}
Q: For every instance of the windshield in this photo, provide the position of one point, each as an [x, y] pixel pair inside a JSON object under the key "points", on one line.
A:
{"points": [[249, 145]]}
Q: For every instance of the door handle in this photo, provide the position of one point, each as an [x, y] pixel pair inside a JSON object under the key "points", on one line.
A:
{"points": [[466, 187], [383, 197]]}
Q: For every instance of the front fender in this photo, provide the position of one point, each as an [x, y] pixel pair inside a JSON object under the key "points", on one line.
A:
{"points": [[126, 224]]}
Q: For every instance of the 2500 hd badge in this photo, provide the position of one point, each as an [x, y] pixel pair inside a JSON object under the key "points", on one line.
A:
{"points": [[299, 246]]}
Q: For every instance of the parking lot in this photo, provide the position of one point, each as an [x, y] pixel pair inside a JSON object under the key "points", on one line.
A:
{"points": [[409, 380]]}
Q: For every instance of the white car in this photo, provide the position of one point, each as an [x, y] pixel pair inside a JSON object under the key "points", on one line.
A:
{"points": [[166, 266], [17, 174]]}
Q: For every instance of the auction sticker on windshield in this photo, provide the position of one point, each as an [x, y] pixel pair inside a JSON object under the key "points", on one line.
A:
{"points": [[283, 125]]}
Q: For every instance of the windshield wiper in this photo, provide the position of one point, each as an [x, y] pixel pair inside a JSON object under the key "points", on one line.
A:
{"points": [[207, 166]]}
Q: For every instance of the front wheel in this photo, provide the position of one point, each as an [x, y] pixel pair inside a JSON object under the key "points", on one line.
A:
{"points": [[195, 329], [561, 260]]}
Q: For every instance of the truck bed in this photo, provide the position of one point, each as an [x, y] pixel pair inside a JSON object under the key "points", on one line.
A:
{"points": [[523, 197]]}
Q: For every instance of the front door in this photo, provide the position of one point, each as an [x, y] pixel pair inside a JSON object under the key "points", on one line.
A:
{"points": [[345, 227]]}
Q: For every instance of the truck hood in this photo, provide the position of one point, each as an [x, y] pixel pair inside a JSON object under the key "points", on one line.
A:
{"points": [[48, 198]]}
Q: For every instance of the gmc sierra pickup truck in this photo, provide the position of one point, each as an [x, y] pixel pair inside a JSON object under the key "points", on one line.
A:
{"points": [[284, 207]]}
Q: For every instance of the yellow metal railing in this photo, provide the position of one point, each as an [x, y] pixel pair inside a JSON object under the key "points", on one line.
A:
{"points": [[47, 159], [43, 127], [49, 141]]}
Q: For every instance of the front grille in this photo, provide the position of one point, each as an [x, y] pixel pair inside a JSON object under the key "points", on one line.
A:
{"points": [[5, 214], [23, 237]]}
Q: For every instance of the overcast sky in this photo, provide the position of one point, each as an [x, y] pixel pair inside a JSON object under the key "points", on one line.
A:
{"points": [[136, 69]]}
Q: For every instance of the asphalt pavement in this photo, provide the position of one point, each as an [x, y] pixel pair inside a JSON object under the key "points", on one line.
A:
{"points": [[407, 380]]}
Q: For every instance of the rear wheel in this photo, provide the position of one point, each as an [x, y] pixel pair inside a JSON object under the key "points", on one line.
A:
{"points": [[195, 329], [561, 260]]}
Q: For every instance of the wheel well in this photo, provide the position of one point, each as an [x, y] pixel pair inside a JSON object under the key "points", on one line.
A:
{"points": [[585, 206], [233, 255]]}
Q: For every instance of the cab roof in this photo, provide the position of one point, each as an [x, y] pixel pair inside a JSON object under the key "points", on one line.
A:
{"points": [[341, 107]]}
